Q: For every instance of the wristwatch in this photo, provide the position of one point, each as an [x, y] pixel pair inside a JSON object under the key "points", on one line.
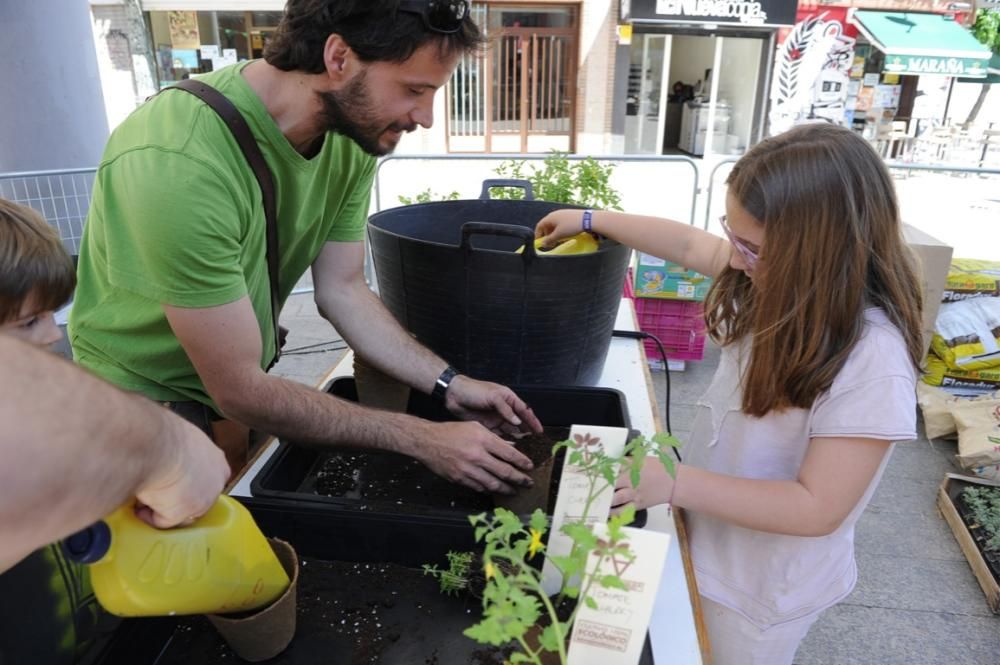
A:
{"points": [[442, 383]]}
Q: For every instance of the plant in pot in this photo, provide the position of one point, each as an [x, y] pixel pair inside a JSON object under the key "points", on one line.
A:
{"points": [[584, 182], [517, 612]]}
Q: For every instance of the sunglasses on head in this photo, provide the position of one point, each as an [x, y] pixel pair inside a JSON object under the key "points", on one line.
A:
{"points": [[443, 16]]}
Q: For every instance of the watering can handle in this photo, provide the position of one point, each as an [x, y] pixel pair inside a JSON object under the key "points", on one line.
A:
{"points": [[529, 194], [470, 229]]}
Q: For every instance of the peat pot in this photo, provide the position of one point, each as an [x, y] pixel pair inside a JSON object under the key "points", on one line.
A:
{"points": [[450, 274]]}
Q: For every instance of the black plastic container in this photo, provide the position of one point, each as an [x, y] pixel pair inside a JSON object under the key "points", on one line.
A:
{"points": [[319, 534], [449, 273], [290, 473]]}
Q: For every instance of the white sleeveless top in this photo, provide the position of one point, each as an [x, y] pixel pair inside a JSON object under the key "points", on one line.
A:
{"points": [[774, 578]]}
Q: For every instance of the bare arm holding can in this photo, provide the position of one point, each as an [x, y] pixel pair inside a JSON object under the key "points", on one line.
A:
{"points": [[74, 448]]}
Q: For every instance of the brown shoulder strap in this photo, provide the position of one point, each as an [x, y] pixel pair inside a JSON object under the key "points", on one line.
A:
{"points": [[251, 151]]}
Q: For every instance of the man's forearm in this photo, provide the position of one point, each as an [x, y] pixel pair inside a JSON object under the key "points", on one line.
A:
{"points": [[73, 447], [370, 329], [297, 412]]}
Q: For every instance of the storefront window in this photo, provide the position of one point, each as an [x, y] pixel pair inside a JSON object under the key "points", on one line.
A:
{"points": [[265, 19], [233, 32], [193, 42], [529, 17]]}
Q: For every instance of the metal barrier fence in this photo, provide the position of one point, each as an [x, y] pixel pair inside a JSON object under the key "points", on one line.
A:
{"points": [[495, 157], [62, 197]]}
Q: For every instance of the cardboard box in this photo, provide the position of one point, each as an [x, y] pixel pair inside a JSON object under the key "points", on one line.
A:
{"points": [[950, 487], [935, 262], [657, 278]]}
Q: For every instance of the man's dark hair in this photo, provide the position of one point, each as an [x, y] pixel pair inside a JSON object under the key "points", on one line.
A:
{"points": [[374, 30]]}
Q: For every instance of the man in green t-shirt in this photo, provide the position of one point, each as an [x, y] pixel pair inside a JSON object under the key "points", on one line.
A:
{"points": [[173, 298]]}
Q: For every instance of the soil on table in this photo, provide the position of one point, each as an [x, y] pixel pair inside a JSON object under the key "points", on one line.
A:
{"points": [[358, 614], [393, 480]]}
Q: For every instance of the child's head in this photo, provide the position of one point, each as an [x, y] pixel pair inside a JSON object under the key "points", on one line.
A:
{"points": [[36, 275], [819, 207]]}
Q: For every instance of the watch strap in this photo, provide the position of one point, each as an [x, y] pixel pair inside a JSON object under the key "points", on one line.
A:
{"points": [[442, 383]]}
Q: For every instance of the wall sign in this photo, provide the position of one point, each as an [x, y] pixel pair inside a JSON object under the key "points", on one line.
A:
{"points": [[740, 12], [928, 64]]}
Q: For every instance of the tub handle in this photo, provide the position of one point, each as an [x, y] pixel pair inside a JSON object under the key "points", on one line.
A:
{"points": [[522, 233], [529, 194]]}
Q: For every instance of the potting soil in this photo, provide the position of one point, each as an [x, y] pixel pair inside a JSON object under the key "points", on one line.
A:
{"points": [[358, 614], [390, 479]]}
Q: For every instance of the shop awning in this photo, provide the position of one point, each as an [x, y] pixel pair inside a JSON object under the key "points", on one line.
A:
{"points": [[916, 43], [992, 73]]}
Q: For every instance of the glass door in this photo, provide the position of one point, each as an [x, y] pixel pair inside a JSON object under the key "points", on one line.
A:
{"points": [[645, 107]]}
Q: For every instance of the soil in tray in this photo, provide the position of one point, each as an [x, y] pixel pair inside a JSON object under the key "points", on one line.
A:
{"points": [[389, 478], [979, 535], [357, 614]]}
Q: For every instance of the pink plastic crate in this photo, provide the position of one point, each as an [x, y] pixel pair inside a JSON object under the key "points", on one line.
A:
{"points": [[628, 291], [679, 325]]}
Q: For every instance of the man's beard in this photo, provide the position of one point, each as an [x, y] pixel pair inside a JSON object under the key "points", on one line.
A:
{"points": [[345, 113]]}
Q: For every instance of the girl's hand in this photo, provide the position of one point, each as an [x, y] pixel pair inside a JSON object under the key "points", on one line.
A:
{"points": [[559, 225], [655, 487]]}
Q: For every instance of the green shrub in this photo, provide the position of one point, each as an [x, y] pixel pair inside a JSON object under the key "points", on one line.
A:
{"points": [[578, 182]]}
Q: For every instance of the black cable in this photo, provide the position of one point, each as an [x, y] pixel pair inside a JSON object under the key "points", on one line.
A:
{"points": [[301, 352], [642, 335], [313, 346]]}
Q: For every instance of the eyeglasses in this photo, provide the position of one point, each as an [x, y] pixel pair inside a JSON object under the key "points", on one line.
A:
{"points": [[748, 254], [443, 16]]}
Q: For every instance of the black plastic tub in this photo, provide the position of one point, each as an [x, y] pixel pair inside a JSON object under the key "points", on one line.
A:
{"points": [[292, 472], [449, 273], [426, 626]]}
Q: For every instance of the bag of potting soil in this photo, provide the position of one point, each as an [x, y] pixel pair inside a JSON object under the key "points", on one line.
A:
{"points": [[936, 406], [967, 334], [938, 421], [978, 424], [970, 278], [958, 381]]}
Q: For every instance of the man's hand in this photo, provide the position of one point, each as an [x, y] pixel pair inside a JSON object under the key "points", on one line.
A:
{"points": [[468, 454], [496, 407], [187, 479]]}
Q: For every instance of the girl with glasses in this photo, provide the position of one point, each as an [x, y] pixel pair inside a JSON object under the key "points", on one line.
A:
{"points": [[816, 304]]}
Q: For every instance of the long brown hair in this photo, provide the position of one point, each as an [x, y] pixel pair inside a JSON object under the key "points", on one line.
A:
{"points": [[833, 245]]}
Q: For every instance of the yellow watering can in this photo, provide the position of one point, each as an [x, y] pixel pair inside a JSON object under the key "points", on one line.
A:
{"points": [[221, 563], [581, 243]]}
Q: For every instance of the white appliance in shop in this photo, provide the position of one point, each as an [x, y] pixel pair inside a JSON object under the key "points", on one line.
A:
{"points": [[694, 127]]}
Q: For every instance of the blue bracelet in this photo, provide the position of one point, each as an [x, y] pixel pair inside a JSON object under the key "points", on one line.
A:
{"points": [[588, 216]]}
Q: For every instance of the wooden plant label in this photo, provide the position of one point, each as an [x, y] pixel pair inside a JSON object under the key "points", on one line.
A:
{"points": [[572, 497], [614, 632]]}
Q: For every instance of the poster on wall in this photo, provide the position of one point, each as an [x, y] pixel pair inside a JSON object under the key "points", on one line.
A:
{"points": [[812, 74], [866, 98], [184, 29]]}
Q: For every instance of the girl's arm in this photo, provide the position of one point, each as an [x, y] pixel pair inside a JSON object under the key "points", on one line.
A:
{"points": [[834, 476], [687, 245]]}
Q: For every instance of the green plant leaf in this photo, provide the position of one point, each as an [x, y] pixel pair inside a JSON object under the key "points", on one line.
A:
{"points": [[591, 603], [613, 582], [551, 637]]}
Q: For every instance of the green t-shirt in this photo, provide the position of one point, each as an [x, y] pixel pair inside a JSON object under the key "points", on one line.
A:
{"points": [[176, 218]]}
